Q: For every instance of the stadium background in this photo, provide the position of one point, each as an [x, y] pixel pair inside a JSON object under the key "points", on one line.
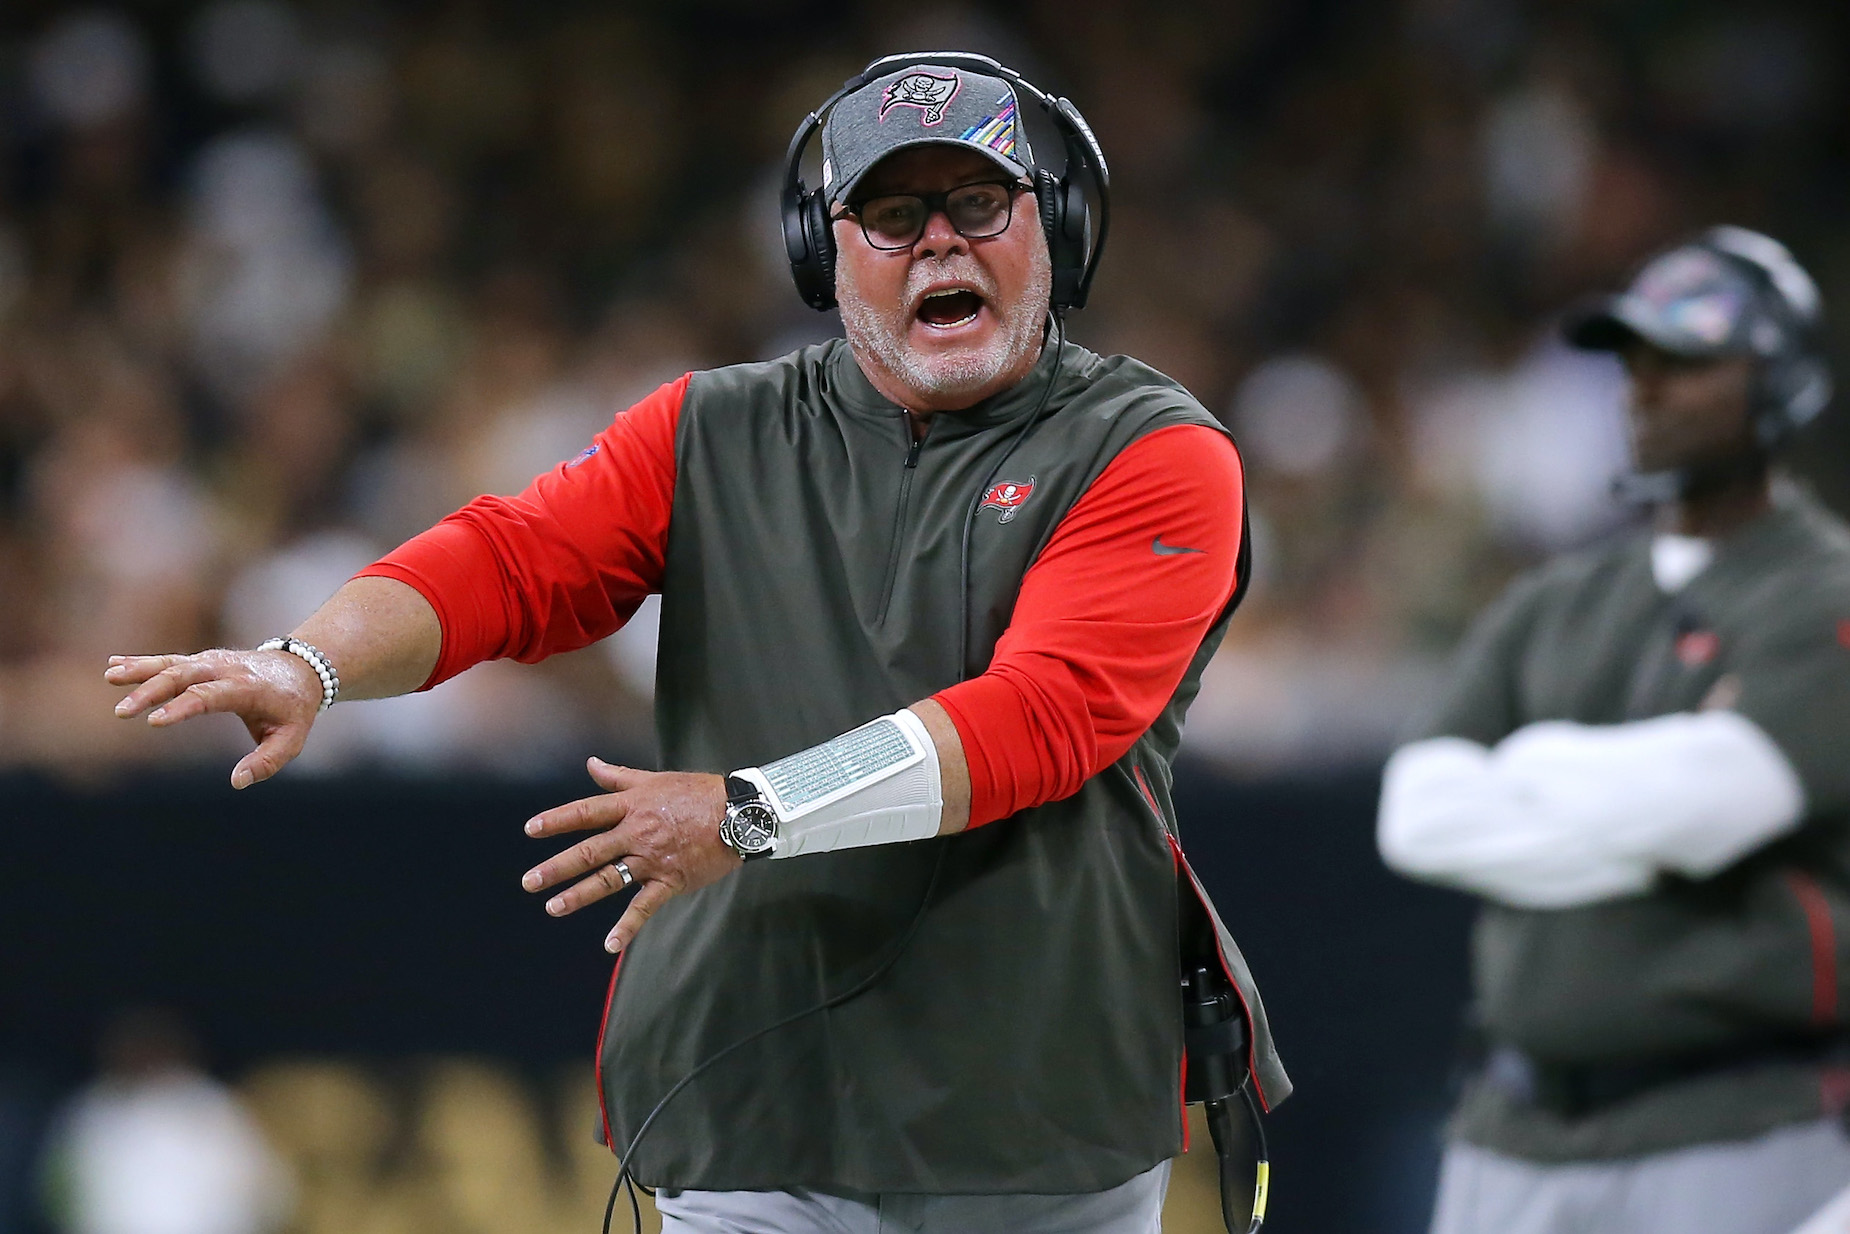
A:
{"points": [[281, 283]]}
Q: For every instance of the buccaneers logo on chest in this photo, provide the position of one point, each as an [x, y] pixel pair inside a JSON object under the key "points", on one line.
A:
{"points": [[1696, 648], [1008, 497]]}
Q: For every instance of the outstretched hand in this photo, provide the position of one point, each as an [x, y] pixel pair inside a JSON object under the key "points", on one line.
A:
{"points": [[276, 694], [662, 825]]}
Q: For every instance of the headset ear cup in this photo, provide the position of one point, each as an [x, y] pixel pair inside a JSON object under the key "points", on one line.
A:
{"points": [[809, 242], [1076, 232], [1075, 218], [822, 249], [1066, 256], [1796, 391], [1047, 195], [1789, 391]]}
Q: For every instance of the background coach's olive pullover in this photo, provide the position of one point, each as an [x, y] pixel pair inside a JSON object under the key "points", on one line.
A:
{"points": [[812, 559], [1747, 972]]}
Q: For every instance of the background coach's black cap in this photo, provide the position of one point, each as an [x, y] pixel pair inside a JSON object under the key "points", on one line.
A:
{"points": [[1705, 298]]}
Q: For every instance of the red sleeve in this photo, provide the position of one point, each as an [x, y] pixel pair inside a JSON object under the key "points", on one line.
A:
{"points": [[1108, 619], [563, 564]]}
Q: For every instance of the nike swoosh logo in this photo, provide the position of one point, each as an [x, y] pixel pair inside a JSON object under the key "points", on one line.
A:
{"points": [[1169, 550]]}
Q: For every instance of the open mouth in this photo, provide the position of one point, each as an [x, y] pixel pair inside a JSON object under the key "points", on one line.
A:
{"points": [[953, 306]]}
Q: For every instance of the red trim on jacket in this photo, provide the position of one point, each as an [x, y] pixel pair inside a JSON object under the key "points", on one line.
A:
{"points": [[1194, 884], [1182, 1088], [597, 1068], [563, 564], [1106, 623], [1252, 1037], [1817, 911], [1143, 787]]}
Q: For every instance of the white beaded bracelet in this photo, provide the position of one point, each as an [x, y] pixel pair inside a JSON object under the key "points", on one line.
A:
{"points": [[315, 659]]}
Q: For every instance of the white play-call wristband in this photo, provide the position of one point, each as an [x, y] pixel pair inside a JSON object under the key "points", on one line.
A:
{"points": [[877, 784]]}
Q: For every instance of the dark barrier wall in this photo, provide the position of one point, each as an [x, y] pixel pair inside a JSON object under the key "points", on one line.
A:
{"points": [[384, 918]]}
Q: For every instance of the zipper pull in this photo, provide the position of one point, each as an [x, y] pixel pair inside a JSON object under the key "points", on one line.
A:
{"points": [[912, 455]]}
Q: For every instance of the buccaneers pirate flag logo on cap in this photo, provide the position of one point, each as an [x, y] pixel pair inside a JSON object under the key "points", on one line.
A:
{"points": [[1008, 497], [926, 91]]}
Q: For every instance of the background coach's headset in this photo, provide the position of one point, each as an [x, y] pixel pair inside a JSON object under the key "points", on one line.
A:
{"points": [[809, 240], [1792, 382]]}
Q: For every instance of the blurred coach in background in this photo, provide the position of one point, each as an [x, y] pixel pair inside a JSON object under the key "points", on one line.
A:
{"points": [[948, 573], [1642, 763]]}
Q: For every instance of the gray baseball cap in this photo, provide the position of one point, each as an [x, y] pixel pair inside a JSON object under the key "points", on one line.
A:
{"points": [[921, 105], [1691, 301]]}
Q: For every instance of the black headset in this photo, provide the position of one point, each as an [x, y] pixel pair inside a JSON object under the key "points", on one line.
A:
{"points": [[1792, 381], [1066, 217]]}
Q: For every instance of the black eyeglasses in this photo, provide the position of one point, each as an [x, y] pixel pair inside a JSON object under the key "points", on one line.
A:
{"points": [[976, 212]]}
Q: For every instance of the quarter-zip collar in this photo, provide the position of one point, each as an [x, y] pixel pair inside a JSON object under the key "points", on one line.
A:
{"points": [[850, 385]]}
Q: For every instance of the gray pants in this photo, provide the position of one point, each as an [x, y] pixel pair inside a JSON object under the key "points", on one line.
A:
{"points": [[1135, 1207], [1767, 1185]]}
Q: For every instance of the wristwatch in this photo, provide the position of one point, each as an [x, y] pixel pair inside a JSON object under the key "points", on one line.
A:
{"points": [[750, 826]]}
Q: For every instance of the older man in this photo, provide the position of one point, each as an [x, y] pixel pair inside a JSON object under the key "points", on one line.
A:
{"points": [[1642, 763], [937, 597]]}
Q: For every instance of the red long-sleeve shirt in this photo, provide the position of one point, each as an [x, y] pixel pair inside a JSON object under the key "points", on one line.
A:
{"points": [[1107, 620]]}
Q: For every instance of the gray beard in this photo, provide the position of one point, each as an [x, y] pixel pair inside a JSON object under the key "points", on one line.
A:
{"points": [[878, 335]]}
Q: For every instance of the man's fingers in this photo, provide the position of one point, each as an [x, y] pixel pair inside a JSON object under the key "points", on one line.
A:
{"points": [[652, 896], [179, 687], [603, 881], [133, 670], [666, 843], [196, 700], [585, 856], [164, 685], [272, 754], [585, 814], [613, 778]]}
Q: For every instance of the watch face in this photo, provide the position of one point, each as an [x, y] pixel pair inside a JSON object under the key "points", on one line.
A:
{"points": [[754, 828]]}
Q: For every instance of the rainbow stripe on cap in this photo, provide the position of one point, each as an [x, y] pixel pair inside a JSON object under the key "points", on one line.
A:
{"points": [[995, 132]]}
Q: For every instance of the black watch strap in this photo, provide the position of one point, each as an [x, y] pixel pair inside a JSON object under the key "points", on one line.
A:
{"points": [[740, 790]]}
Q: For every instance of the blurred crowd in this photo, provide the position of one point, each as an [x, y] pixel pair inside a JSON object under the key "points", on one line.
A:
{"points": [[282, 283], [442, 1145]]}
